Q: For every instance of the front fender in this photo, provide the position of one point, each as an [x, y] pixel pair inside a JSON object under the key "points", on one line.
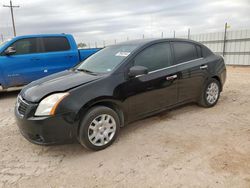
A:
{"points": [[118, 106]]}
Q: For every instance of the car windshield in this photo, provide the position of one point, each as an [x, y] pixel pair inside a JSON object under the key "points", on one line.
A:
{"points": [[106, 59]]}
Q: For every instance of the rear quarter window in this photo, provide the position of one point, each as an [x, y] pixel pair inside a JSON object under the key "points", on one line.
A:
{"points": [[55, 44], [184, 52], [199, 51]]}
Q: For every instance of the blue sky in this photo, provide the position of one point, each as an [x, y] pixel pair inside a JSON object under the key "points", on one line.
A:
{"points": [[109, 20]]}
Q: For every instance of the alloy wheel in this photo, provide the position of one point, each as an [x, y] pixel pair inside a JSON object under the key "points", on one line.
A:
{"points": [[212, 93], [101, 130]]}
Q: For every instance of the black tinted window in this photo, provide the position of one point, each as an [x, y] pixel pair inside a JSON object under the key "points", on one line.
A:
{"points": [[155, 57], [184, 52], [25, 46], [55, 44], [199, 52]]}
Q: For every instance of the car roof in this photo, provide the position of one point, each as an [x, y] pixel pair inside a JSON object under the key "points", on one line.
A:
{"points": [[41, 35], [142, 42]]}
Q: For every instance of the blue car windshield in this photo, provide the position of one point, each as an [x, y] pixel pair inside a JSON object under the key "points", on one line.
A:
{"points": [[1, 44], [105, 60]]}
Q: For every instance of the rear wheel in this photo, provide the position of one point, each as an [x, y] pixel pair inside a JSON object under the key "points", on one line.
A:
{"points": [[99, 128], [210, 94]]}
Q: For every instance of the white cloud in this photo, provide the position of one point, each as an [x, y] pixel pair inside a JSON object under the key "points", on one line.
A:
{"points": [[110, 20]]}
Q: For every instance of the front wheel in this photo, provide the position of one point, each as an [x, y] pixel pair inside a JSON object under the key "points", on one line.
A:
{"points": [[210, 94], [99, 128]]}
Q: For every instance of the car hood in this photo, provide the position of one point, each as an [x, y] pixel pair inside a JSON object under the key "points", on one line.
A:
{"points": [[58, 82]]}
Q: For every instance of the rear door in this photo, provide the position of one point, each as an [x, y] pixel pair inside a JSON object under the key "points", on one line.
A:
{"points": [[58, 54], [157, 89], [191, 68], [25, 65]]}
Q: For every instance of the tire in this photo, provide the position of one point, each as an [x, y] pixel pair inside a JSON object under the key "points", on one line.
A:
{"points": [[209, 101], [99, 128]]}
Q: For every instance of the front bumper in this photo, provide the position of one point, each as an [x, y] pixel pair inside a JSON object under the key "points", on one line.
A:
{"points": [[45, 130]]}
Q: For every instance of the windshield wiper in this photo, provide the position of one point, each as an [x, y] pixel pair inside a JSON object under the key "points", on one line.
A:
{"points": [[87, 71]]}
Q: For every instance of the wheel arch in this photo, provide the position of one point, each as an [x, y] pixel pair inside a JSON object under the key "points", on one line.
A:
{"points": [[219, 80], [110, 103]]}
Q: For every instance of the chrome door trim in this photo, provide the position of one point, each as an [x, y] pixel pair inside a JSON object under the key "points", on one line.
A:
{"points": [[171, 66]]}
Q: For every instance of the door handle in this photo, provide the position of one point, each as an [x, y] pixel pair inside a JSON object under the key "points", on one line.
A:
{"points": [[203, 67], [171, 77]]}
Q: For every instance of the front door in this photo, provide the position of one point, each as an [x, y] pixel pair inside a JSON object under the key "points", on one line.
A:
{"points": [[157, 89], [25, 65]]}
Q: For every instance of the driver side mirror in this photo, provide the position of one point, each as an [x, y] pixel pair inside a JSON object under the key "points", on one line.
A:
{"points": [[137, 70], [10, 51]]}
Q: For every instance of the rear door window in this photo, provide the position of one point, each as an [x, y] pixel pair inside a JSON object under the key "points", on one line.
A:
{"points": [[184, 52], [55, 44], [155, 57], [25, 46]]}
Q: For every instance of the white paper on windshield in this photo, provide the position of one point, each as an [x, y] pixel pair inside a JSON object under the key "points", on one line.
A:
{"points": [[122, 54]]}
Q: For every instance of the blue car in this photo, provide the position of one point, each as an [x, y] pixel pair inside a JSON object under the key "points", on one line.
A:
{"points": [[27, 58]]}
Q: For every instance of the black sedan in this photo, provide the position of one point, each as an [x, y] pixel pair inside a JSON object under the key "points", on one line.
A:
{"points": [[117, 85]]}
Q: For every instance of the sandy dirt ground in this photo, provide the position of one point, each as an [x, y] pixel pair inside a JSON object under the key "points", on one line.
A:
{"points": [[186, 147]]}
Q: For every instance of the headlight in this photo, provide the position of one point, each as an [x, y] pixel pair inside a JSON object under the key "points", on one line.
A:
{"points": [[48, 105]]}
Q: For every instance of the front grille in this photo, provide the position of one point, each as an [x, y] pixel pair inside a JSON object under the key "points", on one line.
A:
{"points": [[21, 106]]}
